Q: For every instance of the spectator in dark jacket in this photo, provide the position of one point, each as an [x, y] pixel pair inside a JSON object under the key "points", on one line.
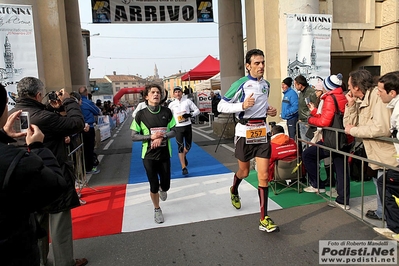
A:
{"points": [[55, 128], [306, 92], [215, 102], [90, 111], [35, 181]]}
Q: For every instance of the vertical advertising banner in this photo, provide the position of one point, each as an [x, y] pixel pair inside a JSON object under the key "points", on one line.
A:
{"points": [[152, 11], [204, 101], [309, 46], [17, 40]]}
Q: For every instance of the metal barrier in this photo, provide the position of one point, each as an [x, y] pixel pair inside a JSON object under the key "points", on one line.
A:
{"points": [[384, 168], [76, 154]]}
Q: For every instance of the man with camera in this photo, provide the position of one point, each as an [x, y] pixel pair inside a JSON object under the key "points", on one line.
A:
{"points": [[56, 127]]}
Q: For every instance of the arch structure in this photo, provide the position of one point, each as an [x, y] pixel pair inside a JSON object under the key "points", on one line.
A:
{"points": [[124, 91]]}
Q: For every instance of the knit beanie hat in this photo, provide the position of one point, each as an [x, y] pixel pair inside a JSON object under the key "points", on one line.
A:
{"points": [[332, 82], [319, 86], [288, 81], [3, 99]]}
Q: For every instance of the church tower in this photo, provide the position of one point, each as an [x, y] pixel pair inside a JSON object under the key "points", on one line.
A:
{"points": [[156, 75], [313, 55], [8, 58]]}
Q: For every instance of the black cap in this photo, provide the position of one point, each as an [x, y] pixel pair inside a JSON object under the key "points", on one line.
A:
{"points": [[75, 95], [288, 81], [177, 88]]}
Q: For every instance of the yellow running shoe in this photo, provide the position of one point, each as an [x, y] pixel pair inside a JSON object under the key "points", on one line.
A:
{"points": [[268, 225], [235, 200]]}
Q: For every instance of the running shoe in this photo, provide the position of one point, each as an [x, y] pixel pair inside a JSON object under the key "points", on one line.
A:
{"points": [[343, 206], [268, 225], [93, 171], [184, 171], [158, 216], [235, 199], [387, 233], [163, 195], [311, 189]]}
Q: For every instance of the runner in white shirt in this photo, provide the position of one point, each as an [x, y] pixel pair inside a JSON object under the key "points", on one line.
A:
{"points": [[248, 98], [183, 109]]}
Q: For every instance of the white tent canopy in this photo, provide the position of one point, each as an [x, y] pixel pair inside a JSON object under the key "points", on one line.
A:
{"points": [[212, 83]]}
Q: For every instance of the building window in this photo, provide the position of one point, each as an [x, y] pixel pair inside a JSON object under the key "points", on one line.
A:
{"points": [[117, 83], [125, 83], [117, 88]]}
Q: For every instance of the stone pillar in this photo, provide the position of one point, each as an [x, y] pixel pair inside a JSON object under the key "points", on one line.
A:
{"points": [[54, 44], [266, 30], [231, 51], [77, 55]]}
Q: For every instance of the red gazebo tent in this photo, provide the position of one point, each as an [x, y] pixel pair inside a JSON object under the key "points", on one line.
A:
{"points": [[208, 68]]}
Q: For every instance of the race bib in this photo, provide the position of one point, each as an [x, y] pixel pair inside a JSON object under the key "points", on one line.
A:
{"points": [[162, 130], [180, 117], [256, 133]]}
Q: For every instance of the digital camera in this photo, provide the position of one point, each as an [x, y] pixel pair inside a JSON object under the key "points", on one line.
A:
{"points": [[53, 96]]}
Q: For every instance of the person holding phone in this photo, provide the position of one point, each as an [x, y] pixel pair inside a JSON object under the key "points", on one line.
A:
{"points": [[28, 189], [57, 220], [305, 91], [323, 117]]}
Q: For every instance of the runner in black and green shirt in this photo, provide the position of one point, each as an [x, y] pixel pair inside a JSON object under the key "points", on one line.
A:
{"points": [[154, 126]]}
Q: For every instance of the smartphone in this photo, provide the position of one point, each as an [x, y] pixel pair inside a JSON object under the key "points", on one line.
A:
{"points": [[24, 121], [307, 100]]}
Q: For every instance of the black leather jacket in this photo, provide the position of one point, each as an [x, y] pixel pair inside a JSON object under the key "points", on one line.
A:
{"points": [[35, 182], [55, 128]]}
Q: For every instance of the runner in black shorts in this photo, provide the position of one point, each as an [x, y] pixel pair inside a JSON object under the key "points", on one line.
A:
{"points": [[154, 126], [248, 99], [183, 109]]}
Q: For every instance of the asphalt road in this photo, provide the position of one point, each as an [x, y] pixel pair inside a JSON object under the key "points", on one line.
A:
{"points": [[230, 241]]}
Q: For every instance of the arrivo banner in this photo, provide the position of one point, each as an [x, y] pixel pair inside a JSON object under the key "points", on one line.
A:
{"points": [[152, 11]]}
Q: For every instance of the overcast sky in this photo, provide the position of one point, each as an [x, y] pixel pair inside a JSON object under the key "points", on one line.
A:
{"points": [[136, 48]]}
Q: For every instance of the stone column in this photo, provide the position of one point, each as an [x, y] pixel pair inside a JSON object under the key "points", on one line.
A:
{"points": [[77, 55], [266, 30], [231, 51], [54, 44]]}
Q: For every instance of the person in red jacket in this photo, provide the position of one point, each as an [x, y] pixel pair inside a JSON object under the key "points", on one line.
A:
{"points": [[323, 117], [283, 148]]}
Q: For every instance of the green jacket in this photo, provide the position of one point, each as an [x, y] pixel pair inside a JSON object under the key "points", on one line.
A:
{"points": [[303, 110]]}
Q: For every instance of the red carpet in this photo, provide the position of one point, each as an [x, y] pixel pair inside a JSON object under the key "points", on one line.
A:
{"points": [[102, 214]]}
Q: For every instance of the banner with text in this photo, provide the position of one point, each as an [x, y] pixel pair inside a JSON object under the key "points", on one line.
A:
{"points": [[204, 100], [309, 45], [18, 41], [152, 11]]}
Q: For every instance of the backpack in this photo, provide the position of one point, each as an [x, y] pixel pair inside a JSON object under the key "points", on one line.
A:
{"points": [[330, 136]]}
